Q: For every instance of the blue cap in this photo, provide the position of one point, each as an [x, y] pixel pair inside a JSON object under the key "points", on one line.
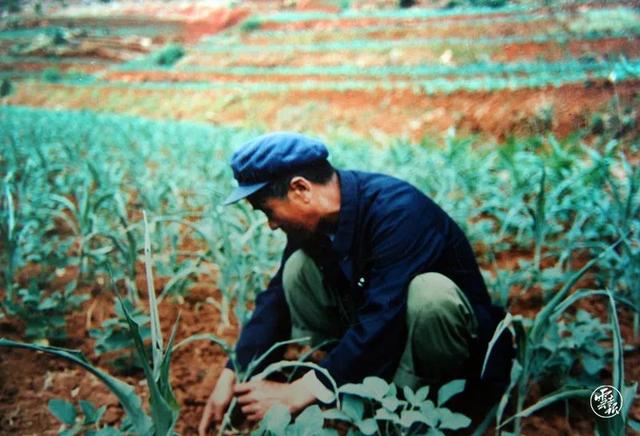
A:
{"points": [[262, 159]]}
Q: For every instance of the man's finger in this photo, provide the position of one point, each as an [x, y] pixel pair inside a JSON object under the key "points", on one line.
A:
{"points": [[249, 409], [254, 417], [242, 388], [246, 399], [218, 414], [206, 419]]}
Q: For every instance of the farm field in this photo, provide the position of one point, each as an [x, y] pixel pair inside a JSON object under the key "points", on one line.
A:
{"points": [[117, 123]]}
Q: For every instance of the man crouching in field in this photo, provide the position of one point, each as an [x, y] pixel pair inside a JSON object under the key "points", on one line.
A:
{"points": [[371, 262]]}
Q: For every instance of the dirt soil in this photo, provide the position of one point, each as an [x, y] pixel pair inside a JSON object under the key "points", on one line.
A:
{"points": [[29, 380], [376, 115], [350, 22], [403, 30], [444, 54]]}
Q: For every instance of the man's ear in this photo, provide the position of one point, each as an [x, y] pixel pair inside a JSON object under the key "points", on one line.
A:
{"points": [[300, 188]]}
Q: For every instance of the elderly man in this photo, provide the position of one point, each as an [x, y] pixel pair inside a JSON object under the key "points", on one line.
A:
{"points": [[371, 262]]}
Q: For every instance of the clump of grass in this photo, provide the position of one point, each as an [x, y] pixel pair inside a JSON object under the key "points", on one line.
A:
{"points": [[406, 3], [606, 20], [5, 88], [168, 55], [51, 75], [477, 3], [251, 24]]}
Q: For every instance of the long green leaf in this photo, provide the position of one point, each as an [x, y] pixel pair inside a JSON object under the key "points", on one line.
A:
{"points": [[540, 219], [165, 386], [178, 277], [583, 294], [504, 324], [516, 373], [156, 334], [549, 399], [204, 336], [256, 363], [277, 366], [131, 403], [161, 412], [543, 317], [618, 362], [11, 219]]}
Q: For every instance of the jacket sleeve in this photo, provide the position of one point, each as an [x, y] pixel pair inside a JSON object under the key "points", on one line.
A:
{"points": [[269, 323], [406, 235]]}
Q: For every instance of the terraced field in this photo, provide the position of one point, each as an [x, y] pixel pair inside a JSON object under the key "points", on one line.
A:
{"points": [[433, 69]]}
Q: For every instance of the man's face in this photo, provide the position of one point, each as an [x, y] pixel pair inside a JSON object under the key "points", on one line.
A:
{"points": [[290, 214]]}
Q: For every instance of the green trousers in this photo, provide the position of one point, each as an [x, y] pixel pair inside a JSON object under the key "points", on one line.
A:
{"points": [[440, 321]]}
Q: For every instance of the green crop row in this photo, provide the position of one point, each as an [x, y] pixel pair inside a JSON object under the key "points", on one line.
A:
{"points": [[19, 75], [523, 12], [77, 146], [29, 33], [369, 28], [617, 72], [533, 69], [393, 14], [377, 45], [52, 60], [75, 185]]}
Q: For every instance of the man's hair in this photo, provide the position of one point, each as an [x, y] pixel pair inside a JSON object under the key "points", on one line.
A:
{"points": [[319, 172]]}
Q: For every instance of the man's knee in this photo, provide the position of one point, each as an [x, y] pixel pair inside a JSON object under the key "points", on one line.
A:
{"points": [[301, 278], [292, 272], [441, 325], [433, 295], [310, 305], [302, 282]]}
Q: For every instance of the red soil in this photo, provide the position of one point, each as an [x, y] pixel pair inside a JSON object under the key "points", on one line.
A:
{"points": [[611, 48], [213, 22], [24, 394], [390, 113], [349, 22], [61, 66], [410, 30]]}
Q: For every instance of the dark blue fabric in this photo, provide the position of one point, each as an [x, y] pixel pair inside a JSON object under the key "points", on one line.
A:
{"points": [[266, 156], [388, 232]]}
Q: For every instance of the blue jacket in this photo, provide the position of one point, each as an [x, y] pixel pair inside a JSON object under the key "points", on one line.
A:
{"points": [[387, 233]]}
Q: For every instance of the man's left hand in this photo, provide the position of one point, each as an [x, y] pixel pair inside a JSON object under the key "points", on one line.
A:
{"points": [[257, 397]]}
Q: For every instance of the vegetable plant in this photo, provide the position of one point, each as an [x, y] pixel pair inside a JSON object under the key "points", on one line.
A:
{"points": [[87, 422], [375, 406], [113, 338], [164, 407]]}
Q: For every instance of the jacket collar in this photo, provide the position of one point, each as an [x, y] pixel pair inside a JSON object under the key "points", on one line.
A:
{"points": [[348, 211]]}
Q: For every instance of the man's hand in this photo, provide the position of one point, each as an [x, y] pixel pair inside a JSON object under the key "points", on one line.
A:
{"points": [[257, 397], [218, 400]]}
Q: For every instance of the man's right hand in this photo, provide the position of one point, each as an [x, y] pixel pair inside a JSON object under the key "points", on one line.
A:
{"points": [[218, 401]]}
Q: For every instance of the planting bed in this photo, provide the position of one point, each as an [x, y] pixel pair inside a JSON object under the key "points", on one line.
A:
{"points": [[374, 114], [370, 53], [24, 394]]}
